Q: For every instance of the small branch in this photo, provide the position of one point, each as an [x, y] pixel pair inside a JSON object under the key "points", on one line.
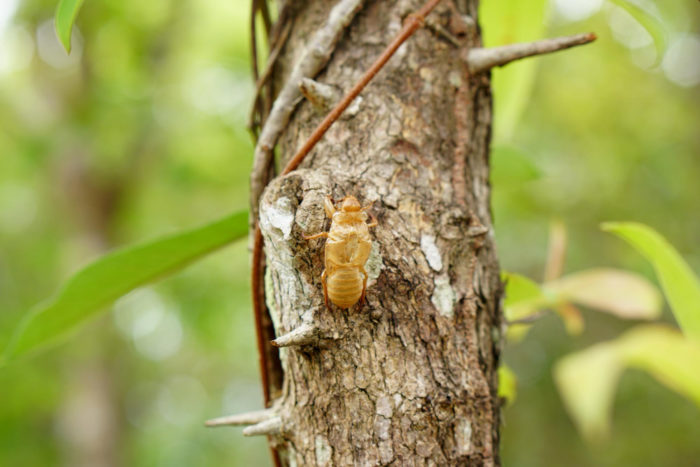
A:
{"points": [[248, 418], [483, 59], [306, 334], [272, 426]]}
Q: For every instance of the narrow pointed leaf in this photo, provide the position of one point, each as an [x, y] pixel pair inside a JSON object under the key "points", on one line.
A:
{"points": [[118, 273], [614, 291], [680, 284], [66, 12]]}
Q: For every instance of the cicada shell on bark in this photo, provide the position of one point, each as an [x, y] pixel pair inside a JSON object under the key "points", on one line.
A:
{"points": [[348, 245]]}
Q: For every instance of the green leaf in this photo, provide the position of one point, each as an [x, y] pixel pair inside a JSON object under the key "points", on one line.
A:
{"points": [[506, 22], [511, 167], [678, 281], [523, 299], [116, 274], [507, 384], [621, 293], [586, 380], [664, 353], [66, 12], [519, 289]]}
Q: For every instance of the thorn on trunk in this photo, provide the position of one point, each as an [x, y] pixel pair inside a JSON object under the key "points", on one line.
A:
{"points": [[273, 426], [248, 418], [306, 334], [483, 59]]}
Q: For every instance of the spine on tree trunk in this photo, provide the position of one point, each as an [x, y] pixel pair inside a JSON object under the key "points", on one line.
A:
{"points": [[410, 376]]}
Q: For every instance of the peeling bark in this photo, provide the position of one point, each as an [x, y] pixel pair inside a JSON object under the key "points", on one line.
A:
{"points": [[410, 377]]}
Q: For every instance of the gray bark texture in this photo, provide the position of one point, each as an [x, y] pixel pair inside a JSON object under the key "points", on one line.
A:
{"points": [[410, 377]]}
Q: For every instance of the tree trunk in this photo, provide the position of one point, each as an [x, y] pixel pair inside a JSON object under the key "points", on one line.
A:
{"points": [[409, 377]]}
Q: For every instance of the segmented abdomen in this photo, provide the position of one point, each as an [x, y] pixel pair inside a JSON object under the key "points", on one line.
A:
{"points": [[344, 286]]}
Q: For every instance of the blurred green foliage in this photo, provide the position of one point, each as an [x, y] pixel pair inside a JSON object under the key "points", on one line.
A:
{"points": [[116, 274], [140, 131]]}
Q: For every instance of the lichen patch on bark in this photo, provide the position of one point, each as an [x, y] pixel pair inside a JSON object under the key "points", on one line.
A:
{"points": [[431, 252], [444, 296]]}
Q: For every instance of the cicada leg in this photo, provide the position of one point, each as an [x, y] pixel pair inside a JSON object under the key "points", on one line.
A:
{"points": [[329, 206], [364, 285], [325, 289], [374, 222], [318, 235]]}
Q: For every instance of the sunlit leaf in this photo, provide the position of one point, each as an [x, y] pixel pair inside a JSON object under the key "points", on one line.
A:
{"points": [[523, 299], [117, 273], [507, 384], [679, 283], [653, 25], [667, 355], [519, 289], [506, 22], [66, 12], [621, 293], [586, 380], [511, 167]]}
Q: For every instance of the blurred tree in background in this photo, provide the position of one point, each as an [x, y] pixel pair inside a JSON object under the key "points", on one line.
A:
{"points": [[141, 131]]}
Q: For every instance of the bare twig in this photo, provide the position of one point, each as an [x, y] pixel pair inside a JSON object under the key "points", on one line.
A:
{"points": [[316, 57], [483, 59], [248, 418]]}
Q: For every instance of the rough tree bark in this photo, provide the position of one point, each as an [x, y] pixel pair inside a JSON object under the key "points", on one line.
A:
{"points": [[410, 377]]}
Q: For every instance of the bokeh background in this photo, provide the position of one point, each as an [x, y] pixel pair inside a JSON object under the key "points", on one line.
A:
{"points": [[141, 131]]}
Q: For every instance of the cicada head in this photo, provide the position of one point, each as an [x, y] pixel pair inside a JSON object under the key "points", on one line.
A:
{"points": [[350, 204]]}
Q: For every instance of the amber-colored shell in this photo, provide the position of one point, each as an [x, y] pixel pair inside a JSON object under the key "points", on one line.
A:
{"points": [[347, 248]]}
